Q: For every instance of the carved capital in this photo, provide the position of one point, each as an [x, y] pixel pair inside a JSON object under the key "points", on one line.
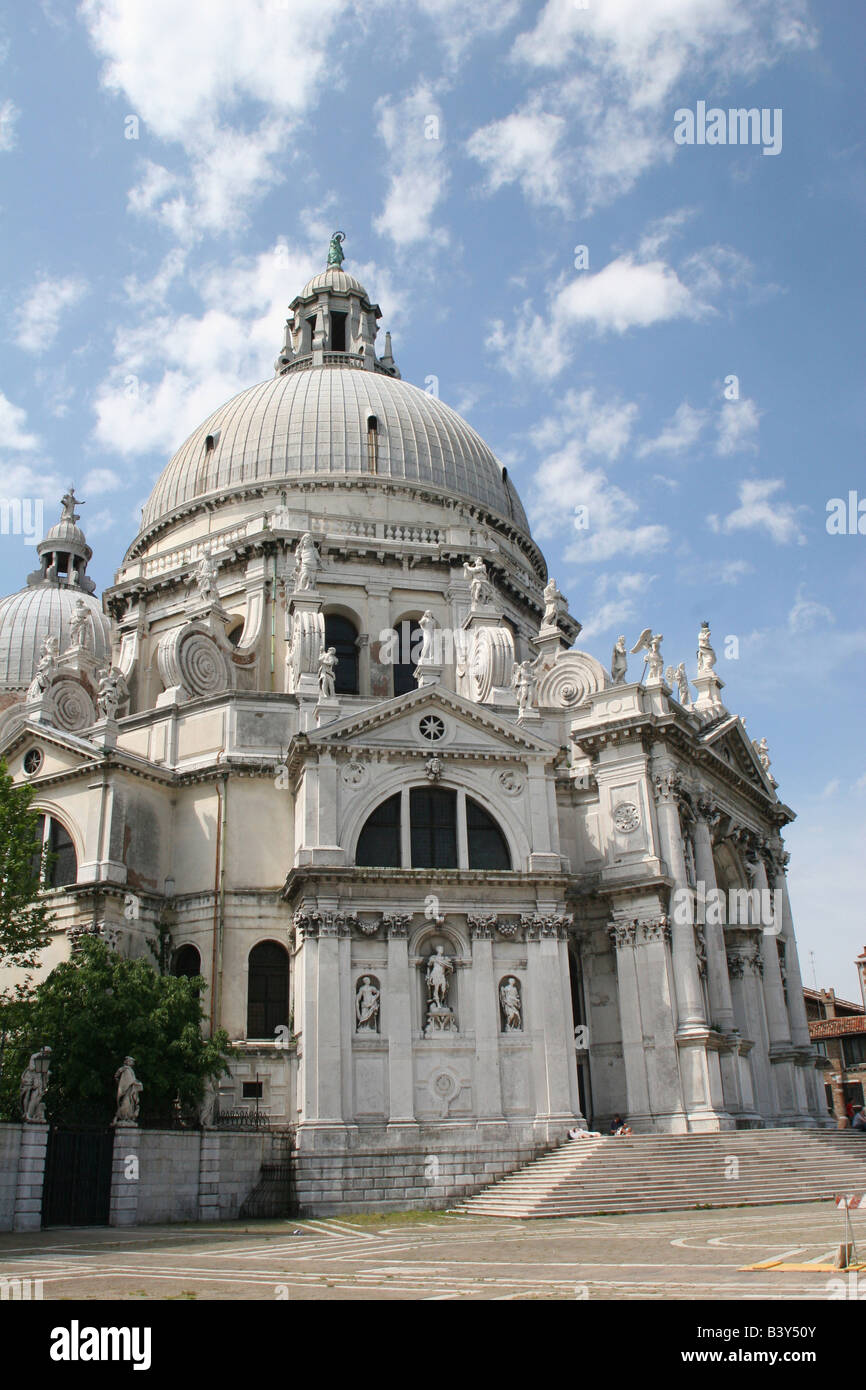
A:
{"points": [[667, 786], [482, 927], [396, 924], [545, 928], [622, 934]]}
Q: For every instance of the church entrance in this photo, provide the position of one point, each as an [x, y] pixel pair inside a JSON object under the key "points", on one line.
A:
{"points": [[77, 1189]]}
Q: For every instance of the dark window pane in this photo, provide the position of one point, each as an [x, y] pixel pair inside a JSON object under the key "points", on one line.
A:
{"points": [[433, 817], [411, 637], [379, 841], [38, 835], [64, 864], [268, 990], [338, 332], [488, 848], [342, 634], [187, 962], [252, 1090]]}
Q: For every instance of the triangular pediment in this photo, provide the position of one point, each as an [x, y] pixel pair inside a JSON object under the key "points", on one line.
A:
{"points": [[731, 743], [60, 751], [405, 723]]}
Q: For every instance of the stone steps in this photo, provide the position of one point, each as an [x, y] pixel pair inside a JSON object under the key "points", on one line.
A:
{"points": [[678, 1172]]}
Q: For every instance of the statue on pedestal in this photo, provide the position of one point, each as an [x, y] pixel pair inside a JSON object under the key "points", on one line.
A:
{"points": [[45, 669], [79, 624], [327, 673], [653, 660], [523, 682], [112, 692], [481, 590], [205, 577], [706, 655], [307, 563], [619, 662], [129, 1090], [676, 675], [34, 1084], [427, 624], [554, 605]]}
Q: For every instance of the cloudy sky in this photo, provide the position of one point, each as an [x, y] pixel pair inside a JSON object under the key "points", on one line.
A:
{"points": [[662, 341]]}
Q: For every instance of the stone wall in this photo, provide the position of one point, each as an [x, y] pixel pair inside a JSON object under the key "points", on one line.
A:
{"points": [[406, 1178], [10, 1145], [200, 1176]]}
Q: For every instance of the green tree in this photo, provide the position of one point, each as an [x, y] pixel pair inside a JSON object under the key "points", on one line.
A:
{"points": [[25, 919], [94, 1010]]}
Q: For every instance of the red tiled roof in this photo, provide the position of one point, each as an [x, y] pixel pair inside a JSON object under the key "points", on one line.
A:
{"points": [[836, 1027]]}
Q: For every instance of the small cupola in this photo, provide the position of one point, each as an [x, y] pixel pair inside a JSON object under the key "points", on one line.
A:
{"points": [[63, 551], [333, 323]]}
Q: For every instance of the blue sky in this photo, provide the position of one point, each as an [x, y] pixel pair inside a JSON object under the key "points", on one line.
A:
{"points": [[466, 151]]}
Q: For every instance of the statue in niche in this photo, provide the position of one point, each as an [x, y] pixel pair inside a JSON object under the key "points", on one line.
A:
{"points": [[427, 624], [34, 1084], [367, 1006], [619, 662], [481, 589], [706, 655], [307, 563], [327, 673], [129, 1090], [439, 967], [652, 645], [512, 1007], [79, 624], [112, 692]]}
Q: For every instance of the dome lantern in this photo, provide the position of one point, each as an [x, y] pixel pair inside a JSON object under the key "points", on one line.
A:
{"points": [[333, 323]]}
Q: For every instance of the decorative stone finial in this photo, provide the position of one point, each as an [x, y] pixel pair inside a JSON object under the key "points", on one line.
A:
{"points": [[335, 250]]}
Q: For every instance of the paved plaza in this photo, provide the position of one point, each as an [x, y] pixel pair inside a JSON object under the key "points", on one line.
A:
{"points": [[678, 1255]]}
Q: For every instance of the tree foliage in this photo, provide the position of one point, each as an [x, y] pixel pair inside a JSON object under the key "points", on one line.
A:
{"points": [[93, 1011], [25, 918]]}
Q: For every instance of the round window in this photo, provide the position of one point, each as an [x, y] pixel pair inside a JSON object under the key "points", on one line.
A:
{"points": [[432, 728], [33, 760]]}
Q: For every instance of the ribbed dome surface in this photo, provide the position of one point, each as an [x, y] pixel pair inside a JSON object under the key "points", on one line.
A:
{"points": [[28, 617], [314, 423], [332, 279]]}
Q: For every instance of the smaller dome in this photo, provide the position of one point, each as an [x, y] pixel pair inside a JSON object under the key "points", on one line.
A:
{"points": [[333, 279], [40, 611], [67, 532]]}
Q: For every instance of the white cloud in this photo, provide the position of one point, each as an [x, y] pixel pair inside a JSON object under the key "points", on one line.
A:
{"points": [[620, 66], [37, 319], [759, 509], [732, 571], [14, 434], [831, 788], [412, 131], [100, 480], [737, 427], [807, 613], [681, 432], [9, 114], [618, 597], [660, 232], [170, 372], [523, 148]]}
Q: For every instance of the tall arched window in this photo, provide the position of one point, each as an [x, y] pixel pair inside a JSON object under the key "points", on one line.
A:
{"points": [[487, 845], [57, 863], [187, 962], [433, 833], [267, 990], [409, 637], [342, 634]]}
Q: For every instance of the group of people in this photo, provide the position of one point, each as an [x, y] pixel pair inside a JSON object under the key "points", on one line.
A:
{"points": [[856, 1117]]}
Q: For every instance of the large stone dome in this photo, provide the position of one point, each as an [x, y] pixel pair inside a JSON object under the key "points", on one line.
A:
{"points": [[314, 422]]}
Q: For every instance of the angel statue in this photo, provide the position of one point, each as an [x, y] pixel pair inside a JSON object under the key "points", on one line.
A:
{"points": [[619, 662], [706, 655], [676, 675], [481, 590], [335, 250], [654, 660], [523, 676]]}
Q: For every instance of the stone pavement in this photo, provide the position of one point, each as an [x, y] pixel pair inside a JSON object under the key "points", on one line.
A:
{"points": [[680, 1255]]}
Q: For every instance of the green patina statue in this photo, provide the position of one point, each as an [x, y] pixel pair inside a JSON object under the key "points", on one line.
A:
{"points": [[335, 250]]}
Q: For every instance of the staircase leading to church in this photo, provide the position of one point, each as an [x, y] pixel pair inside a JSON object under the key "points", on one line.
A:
{"points": [[671, 1172]]}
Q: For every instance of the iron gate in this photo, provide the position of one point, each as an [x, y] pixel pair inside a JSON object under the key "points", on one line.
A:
{"points": [[77, 1189]]}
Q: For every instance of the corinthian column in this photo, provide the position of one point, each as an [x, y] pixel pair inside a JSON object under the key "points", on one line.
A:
{"points": [[687, 980], [718, 983]]}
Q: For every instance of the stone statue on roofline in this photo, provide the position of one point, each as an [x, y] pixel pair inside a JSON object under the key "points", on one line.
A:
{"points": [[480, 587], [335, 250], [327, 673], [653, 661], [706, 655], [619, 662], [307, 563]]}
